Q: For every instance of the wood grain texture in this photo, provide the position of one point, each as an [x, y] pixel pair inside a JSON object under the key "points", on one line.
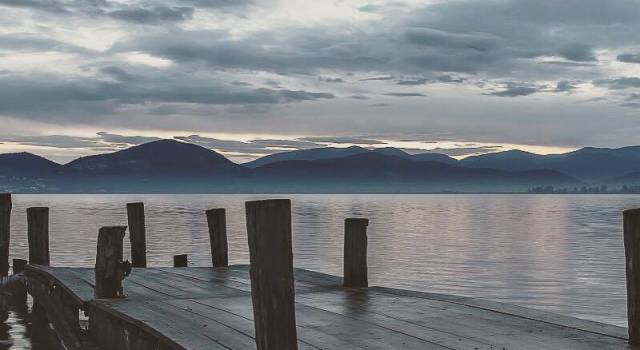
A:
{"points": [[38, 235], [631, 223], [355, 253], [5, 232], [271, 271], [137, 234], [217, 223], [206, 308], [108, 270]]}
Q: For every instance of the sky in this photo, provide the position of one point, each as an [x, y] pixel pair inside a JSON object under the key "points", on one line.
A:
{"points": [[253, 77]]}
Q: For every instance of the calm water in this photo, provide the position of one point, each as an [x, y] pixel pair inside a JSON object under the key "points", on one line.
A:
{"points": [[561, 253]]}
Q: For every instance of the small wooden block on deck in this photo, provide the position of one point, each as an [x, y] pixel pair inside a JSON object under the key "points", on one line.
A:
{"points": [[206, 308]]}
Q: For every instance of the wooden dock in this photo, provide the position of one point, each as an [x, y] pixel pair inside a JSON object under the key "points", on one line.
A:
{"points": [[270, 305], [206, 308]]}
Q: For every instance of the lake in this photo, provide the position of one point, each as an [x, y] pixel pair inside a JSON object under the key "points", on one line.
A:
{"points": [[561, 253]]}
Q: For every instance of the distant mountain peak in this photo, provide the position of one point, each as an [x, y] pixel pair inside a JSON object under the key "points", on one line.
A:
{"points": [[170, 156]]}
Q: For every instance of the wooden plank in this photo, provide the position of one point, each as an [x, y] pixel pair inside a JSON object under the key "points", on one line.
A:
{"points": [[328, 330], [520, 311], [5, 232], [340, 304], [184, 287], [181, 330], [197, 307], [271, 271], [137, 234], [501, 329], [66, 279]]}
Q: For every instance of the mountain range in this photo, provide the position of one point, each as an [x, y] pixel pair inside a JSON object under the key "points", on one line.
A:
{"points": [[171, 166]]}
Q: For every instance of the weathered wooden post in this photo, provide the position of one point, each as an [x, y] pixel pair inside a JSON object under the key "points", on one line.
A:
{"points": [[631, 225], [137, 234], [18, 266], [38, 235], [110, 270], [180, 260], [19, 291], [5, 232], [271, 271], [217, 222], [355, 253]]}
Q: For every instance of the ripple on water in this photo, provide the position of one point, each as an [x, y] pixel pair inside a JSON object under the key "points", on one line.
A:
{"points": [[561, 253]]}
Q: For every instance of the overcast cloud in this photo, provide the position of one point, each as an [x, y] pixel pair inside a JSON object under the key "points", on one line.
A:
{"points": [[251, 77]]}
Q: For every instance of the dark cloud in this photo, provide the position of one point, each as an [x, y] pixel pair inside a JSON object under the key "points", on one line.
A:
{"points": [[378, 105], [619, 83], [466, 151], [516, 90], [32, 43], [125, 140], [136, 12], [439, 79], [53, 6], [405, 94], [345, 139], [331, 80], [118, 73], [438, 38], [250, 147], [103, 141], [56, 141], [58, 95], [217, 4], [633, 97], [152, 15], [565, 86], [577, 52], [377, 78], [629, 58], [359, 97]]}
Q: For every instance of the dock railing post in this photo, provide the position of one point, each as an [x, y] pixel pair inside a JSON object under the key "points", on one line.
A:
{"points": [[38, 235], [137, 234], [271, 271], [631, 225], [181, 260], [355, 253], [110, 270], [5, 232], [217, 222]]}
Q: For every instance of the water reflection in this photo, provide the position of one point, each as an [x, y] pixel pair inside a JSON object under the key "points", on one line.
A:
{"points": [[552, 252]]}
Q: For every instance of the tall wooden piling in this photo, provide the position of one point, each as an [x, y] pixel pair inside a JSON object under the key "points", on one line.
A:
{"points": [[137, 234], [631, 225], [38, 235], [355, 253], [5, 232], [217, 222], [181, 260], [271, 272], [109, 269]]}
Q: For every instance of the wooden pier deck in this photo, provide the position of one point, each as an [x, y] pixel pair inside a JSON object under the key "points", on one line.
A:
{"points": [[207, 308]]}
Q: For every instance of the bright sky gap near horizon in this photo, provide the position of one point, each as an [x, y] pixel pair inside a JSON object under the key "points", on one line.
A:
{"points": [[253, 77]]}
